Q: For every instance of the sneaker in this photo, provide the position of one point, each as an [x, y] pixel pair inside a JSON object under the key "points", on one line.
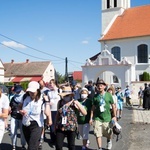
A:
{"points": [[41, 140], [23, 148], [88, 143], [14, 147], [109, 144], [83, 148]]}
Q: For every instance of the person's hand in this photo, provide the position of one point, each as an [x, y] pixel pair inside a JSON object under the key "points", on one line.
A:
{"points": [[91, 121], [115, 119], [49, 122], [45, 98], [23, 112]]}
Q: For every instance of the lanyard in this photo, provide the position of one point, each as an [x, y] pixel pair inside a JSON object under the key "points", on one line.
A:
{"points": [[64, 110], [102, 101]]}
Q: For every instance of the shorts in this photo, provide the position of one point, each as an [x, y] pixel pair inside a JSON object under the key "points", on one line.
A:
{"points": [[84, 130], [102, 129], [119, 106]]}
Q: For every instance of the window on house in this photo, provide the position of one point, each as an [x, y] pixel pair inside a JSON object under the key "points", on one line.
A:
{"points": [[116, 52], [108, 3], [115, 3], [142, 53]]}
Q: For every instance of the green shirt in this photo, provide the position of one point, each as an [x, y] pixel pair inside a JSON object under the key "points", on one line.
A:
{"points": [[87, 105], [107, 99]]}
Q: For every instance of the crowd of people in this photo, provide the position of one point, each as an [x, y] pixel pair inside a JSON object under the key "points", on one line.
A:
{"points": [[67, 111]]}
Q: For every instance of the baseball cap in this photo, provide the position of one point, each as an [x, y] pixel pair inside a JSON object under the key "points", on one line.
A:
{"points": [[17, 88], [33, 86]]}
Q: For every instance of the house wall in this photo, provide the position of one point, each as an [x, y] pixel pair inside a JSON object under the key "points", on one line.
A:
{"points": [[129, 50], [49, 73], [1, 73]]}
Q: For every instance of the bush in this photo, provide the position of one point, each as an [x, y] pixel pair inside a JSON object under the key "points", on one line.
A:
{"points": [[146, 76]]}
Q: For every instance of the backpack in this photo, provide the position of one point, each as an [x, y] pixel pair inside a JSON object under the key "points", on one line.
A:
{"points": [[14, 109], [71, 124]]}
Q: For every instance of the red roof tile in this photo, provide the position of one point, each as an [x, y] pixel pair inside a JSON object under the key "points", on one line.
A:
{"points": [[77, 75], [134, 22]]}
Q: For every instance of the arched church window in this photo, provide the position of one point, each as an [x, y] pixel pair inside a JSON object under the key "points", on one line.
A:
{"points": [[108, 3], [115, 79], [142, 53], [116, 52], [115, 3]]}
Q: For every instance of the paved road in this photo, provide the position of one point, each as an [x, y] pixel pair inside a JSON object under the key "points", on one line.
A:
{"points": [[135, 133]]}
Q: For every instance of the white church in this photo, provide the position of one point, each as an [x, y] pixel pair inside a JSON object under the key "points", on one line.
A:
{"points": [[125, 44]]}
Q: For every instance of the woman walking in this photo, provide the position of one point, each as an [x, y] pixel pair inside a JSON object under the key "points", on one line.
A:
{"points": [[66, 119], [32, 111]]}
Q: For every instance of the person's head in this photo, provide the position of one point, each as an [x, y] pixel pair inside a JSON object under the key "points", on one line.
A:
{"points": [[101, 85], [42, 84], [90, 82], [127, 86], [66, 94], [111, 90], [52, 83], [17, 89], [84, 93], [74, 84], [118, 88], [34, 90], [141, 88]]}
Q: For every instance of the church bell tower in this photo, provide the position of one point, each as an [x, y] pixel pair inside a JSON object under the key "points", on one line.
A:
{"points": [[110, 10]]}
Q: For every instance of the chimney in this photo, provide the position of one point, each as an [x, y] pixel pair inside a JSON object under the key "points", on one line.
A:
{"points": [[12, 61], [27, 60]]}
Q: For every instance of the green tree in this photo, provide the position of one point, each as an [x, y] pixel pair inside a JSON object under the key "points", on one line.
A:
{"points": [[60, 78]]}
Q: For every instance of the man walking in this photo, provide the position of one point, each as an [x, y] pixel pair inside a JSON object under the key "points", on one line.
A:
{"points": [[101, 114]]}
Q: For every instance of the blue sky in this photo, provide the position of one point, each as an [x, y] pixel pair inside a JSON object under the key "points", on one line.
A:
{"points": [[41, 30]]}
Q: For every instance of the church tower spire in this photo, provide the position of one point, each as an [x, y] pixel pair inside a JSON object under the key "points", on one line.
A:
{"points": [[110, 10]]}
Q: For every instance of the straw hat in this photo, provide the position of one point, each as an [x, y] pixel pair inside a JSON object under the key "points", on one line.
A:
{"points": [[66, 90]]}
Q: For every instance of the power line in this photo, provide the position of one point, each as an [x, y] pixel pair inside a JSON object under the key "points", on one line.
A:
{"points": [[23, 52], [34, 50], [31, 47]]}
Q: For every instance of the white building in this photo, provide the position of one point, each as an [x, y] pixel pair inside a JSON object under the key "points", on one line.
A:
{"points": [[125, 44], [17, 72], [1, 72]]}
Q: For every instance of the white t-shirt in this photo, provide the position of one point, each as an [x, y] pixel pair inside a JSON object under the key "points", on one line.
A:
{"points": [[54, 98], [4, 104], [34, 110]]}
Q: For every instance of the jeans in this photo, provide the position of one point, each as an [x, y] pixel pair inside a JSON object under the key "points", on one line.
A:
{"points": [[32, 135], [16, 124], [60, 135], [52, 127]]}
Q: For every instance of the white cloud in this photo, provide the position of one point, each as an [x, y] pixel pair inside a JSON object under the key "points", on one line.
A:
{"points": [[85, 42], [13, 44], [40, 38]]}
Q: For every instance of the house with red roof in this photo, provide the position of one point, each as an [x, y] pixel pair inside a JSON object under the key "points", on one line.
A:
{"points": [[17, 72], [125, 44], [1, 72]]}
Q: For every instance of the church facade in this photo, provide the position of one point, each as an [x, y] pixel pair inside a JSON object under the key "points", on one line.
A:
{"points": [[125, 44]]}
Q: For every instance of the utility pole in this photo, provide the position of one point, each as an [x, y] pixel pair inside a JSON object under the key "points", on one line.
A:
{"points": [[66, 69]]}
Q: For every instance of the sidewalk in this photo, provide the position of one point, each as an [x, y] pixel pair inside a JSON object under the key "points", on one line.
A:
{"points": [[139, 114]]}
